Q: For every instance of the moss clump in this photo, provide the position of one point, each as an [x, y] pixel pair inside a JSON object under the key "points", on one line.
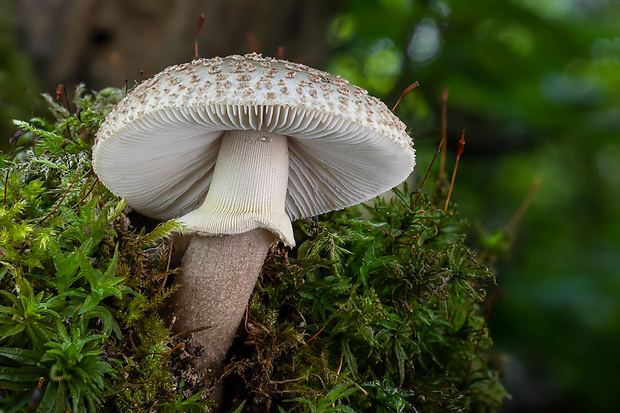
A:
{"points": [[379, 308], [79, 288], [379, 314]]}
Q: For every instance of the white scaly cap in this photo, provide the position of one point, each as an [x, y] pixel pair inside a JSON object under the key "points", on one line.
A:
{"points": [[284, 142]]}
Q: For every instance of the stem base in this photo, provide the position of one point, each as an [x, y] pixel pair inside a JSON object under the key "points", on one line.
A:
{"points": [[220, 274]]}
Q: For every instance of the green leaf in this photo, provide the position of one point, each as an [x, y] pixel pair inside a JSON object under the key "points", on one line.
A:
{"points": [[8, 331], [22, 374], [162, 230], [350, 358], [240, 408], [20, 355]]}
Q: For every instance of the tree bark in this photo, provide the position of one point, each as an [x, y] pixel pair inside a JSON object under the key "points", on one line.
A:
{"points": [[103, 43]]}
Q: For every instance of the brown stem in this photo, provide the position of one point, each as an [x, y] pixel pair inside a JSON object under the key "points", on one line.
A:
{"points": [[220, 274], [407, 90], [525, 205], [201, 20], [426, 176], [456, 166]]}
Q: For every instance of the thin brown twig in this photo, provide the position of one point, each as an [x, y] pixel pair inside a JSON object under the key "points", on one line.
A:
{"points": [[23, 247], [13, 141], [456, 165], [201, 20], [167, 270], [61, 199], [169, 256], [84, 191], [525, 205], [319, 332], [91, 189], [289, 380], [486, 318], [426, 176], [180, 345], [100, 192], [280, 52], [407, 90], [253, 43], [64, 89], [193, 330], [297, 379], [59, 89], [340, 365]]}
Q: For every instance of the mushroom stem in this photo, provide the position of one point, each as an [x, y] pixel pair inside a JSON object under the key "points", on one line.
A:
{"points": [[246, 199], [248, 188], [220, 274]]}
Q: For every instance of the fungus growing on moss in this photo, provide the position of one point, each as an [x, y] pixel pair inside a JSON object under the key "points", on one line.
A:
{"points": [[236, 148]]}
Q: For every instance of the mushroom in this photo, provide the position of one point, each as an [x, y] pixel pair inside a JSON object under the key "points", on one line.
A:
{"points": [[236, 148]]}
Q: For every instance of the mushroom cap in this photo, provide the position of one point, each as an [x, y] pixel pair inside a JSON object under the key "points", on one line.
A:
{"points": [[158, 146]]}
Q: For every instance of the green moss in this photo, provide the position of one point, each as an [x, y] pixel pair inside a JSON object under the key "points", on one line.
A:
{"points": [[79, 289], [379, 309], [390, 306]]}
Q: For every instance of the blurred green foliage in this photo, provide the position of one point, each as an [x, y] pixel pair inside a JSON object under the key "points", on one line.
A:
{"points": [[535, 85], [15, 73]]}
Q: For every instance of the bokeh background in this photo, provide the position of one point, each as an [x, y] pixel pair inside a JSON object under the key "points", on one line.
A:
{"points": [[535, 84]]}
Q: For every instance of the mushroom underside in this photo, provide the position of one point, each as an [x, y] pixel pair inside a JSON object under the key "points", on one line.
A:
{"points": [[333, 162]]}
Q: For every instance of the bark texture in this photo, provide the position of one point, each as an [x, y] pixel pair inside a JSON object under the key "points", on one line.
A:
{"points": [[103, 43]]}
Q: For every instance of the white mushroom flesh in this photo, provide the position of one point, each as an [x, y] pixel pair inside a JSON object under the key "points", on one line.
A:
{"points": [[248, 187]]}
